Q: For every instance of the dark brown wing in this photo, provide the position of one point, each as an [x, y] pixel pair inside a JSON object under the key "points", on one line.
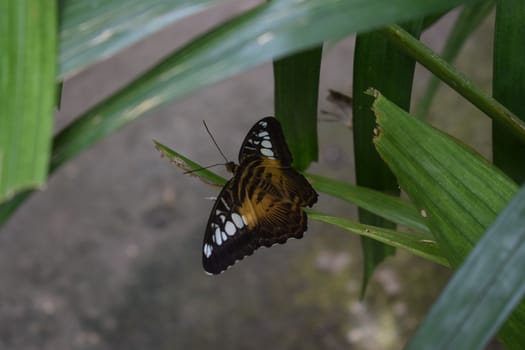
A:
{"points": [[228, 237]]}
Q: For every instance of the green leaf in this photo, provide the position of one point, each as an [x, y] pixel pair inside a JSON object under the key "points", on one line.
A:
{"points": [[378, 64], [27, 93], [508, 85], [459, 192], [484, 291], [93, 30], [296, 93], [392, 208], [419, 243], [467, 21], [188, 165], [271, 30], [456, 80], [389, 207]]}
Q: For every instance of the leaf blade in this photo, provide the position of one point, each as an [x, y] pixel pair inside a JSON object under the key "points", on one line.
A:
{"points": [[449, 75], [27, 68], [418, 243], [296, 89], [91, 32], [389, 207], [508, 85], [378, 64], [484, 291], [459, 191], [467, 21], [188, 165]]}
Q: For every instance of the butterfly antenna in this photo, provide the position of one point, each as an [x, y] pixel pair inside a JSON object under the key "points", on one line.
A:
{"points": [[215, 142]]}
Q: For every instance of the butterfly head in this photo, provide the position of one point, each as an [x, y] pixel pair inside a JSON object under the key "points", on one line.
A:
{"points": [[231, 167]]}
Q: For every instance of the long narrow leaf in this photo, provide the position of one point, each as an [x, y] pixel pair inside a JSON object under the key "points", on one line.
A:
{"points": [[393, 208], [189, 166], [456, 80], [27, 93], [296, 93], [467, 21], [418, 243], [93, 30], [380, 64], [508, 85], [389, 207], [484, 291]]}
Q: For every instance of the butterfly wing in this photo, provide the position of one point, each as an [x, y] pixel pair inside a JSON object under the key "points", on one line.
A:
{"points": [[276, 204], [228, 237], [266, 140]]}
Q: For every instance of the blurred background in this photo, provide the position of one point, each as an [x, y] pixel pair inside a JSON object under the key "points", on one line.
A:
{"points": [[108, 256]]}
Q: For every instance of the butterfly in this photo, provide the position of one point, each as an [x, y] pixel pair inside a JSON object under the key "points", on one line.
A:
{"points": [[261, 204]]}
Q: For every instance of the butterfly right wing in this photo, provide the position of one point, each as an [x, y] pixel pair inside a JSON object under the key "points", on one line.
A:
{"points": [[276, 204]]}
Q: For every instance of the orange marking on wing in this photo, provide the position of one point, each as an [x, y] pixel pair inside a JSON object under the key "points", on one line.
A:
{"points": [[247, 211]]}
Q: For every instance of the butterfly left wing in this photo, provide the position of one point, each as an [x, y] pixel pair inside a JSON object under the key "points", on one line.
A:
{"points": [[227, 237]]}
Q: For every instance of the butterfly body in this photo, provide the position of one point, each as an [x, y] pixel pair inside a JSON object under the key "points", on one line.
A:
{"points": [[261, 204]]}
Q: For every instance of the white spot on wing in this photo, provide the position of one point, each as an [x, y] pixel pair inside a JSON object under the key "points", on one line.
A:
{"points": [[263, 124], [266, 144], [267, 152], [218, 238], [263, 133], [230, 228], [244, 219], [207, 250], [224, 237], [223, 201], [237, 220]]}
